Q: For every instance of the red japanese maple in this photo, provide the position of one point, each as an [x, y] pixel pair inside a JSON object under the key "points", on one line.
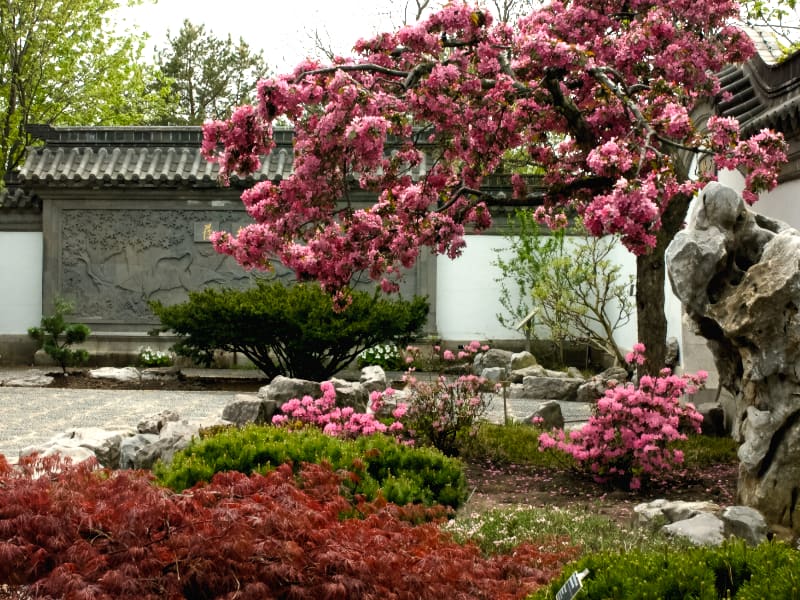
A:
{"points": [[79, 532]]}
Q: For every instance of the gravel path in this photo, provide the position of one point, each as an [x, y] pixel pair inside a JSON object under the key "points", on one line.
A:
{"points": [[32, 415]]}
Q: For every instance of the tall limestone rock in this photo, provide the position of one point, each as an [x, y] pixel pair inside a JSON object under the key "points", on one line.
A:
{"points": [[738, 276]]}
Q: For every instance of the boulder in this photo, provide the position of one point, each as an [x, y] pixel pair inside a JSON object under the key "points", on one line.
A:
{"points": [[154, 423], [737, 274], [29, 380], [373, 379], [249, 408], [130, 446], [350, 393], [175, 436], [745, 523], [123, 374], [703, 523], [703, 529], [492, 358], [282, 389], [595, 388], [494, 374], [520, 360], [550, 414], [551, 388], [662, 510], [517, 375], [102, 443]]}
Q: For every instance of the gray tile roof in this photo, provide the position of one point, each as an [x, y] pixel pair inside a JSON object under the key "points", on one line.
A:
{"points": [[149, 156], [16, 199], [763, 95]]}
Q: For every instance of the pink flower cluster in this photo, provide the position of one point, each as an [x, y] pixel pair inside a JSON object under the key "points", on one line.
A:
{"points": [[441, 410], [628, 438], [339, 422]]}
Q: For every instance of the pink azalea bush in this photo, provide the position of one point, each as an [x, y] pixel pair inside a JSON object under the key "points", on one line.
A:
{"points": [[441, 410], [628, 438], [335, 421]]}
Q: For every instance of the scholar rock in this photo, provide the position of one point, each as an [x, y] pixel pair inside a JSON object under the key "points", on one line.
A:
{"points": [[737, 274]]}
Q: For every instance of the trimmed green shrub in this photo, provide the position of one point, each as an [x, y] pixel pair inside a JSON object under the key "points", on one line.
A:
{"points": [[733, 570], [57, 336], [288, 330], [402, 474]]}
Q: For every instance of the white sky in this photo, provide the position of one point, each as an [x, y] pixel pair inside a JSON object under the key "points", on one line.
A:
{"points": [[283, 29]]}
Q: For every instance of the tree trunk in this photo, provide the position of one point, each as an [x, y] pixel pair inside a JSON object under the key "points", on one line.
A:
{"points": [[650, 277]]}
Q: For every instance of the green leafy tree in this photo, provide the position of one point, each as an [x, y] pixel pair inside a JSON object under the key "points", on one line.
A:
{"points": [[62, 64], [288, 330], [575, 291], [529, 254], [584, 295], [205, 77], [57, 336]]}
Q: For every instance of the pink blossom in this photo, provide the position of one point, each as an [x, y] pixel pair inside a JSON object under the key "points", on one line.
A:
{"points": [[633, 83]]}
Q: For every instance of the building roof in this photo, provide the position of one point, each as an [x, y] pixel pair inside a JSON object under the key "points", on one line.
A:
{"points": [[763, 95], [140, 156], [18, 199]]}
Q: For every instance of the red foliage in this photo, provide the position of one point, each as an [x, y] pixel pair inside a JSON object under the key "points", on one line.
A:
{"points": [[81, 532]]}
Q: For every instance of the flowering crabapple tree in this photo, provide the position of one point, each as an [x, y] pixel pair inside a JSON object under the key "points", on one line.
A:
{"points": [[599, 96]]}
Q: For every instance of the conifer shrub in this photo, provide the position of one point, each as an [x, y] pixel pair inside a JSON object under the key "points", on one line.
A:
{"points": [[733, 570], [57, 336], [291, 330], [378, 464], [81, 532]]}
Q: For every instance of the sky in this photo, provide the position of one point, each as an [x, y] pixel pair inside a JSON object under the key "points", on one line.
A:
{"points": [[283, 29]]}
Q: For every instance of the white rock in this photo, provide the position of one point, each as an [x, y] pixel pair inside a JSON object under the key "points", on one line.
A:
{"points": [[116, 374], [703, 529]]}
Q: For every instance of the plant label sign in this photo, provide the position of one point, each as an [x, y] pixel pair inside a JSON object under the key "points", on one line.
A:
{"points": [[572, 586]]}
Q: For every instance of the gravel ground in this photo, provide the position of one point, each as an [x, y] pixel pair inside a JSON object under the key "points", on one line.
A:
{"points": [[32, 415]]}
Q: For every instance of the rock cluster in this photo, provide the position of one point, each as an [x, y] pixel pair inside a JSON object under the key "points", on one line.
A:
{"points": [[524, 378], [703, 523]]}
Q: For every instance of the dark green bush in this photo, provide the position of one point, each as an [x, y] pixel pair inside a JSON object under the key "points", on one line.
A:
{"points": [[288, 330], [56, 336], [403, 474], [733, 570]]}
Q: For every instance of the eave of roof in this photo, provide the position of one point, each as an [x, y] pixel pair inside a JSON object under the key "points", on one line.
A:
{"points": [[138, 156]]}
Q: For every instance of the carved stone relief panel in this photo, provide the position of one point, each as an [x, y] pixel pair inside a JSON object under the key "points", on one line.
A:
{"points": [[113, 262]]}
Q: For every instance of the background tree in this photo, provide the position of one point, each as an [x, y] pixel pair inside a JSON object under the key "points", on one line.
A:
{"points": [[529, 252], [598, 95], [61, 64], [206, 76]]}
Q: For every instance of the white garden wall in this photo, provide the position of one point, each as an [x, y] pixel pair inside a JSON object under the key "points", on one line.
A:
{"points": [[467, 295], [20, 281]]}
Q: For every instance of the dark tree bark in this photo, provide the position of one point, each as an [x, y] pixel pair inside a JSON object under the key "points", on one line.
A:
{"points": [[650, 278]]}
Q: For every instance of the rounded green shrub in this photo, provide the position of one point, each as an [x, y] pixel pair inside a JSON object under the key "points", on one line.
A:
{"points": [[732, 570], [402, 474], [291, 330]]}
